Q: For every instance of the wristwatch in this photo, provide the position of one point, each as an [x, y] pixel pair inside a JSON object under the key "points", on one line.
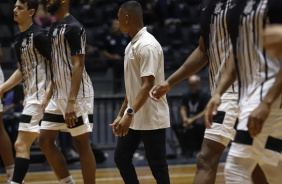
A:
{"points": [[130, 111]]}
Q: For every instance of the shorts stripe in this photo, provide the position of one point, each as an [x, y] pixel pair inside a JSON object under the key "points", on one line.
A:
{"points": [[243, 137], [53, 118], [219, 117], [274, 144], [60, 119], [90, 117], [25, 118]]}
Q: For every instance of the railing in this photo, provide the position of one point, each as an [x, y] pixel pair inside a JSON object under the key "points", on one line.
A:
{"points": [[106, 109]]}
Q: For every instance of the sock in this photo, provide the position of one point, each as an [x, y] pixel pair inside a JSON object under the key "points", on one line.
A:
{"points": [[14, 183], [21, 168], [10, 170], [67, 180]]}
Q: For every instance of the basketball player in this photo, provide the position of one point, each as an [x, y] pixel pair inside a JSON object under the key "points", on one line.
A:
{"points": [[214, 48], [259, 136], [32, 54], [6, 152], [69, 98]]}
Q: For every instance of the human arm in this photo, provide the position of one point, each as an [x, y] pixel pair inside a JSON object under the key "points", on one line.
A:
{"points": [[272, 39], [228, 78], [141, 98], [259, 115], [77, 70], [119, 116], [196, 61], [48, 95], [15, 79]]}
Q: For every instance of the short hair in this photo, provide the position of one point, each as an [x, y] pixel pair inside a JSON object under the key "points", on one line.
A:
{"points": [[31, 4], [133, 6]]}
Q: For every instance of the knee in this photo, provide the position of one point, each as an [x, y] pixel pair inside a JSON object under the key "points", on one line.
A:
{"points": [[121, 159], [204, 162], [20, 147]]}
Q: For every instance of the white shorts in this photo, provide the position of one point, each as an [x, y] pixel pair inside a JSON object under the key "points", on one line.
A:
{"points": [[266, 147], [239, 170], [222, 129], [55, 111], [31, 116]]}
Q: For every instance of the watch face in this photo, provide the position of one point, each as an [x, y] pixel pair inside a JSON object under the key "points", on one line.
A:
{"points": [[130, 111]]}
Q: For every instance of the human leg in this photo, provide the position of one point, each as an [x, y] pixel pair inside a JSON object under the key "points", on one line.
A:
{"points": [[207, 161], [273, 173], [22, 147], [126, 146], [155, 149], [87, 159], [54, 156], [6, 152]]}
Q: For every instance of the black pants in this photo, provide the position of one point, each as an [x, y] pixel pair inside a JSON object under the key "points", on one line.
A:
{"points": [[155, 149], [190, 139]]}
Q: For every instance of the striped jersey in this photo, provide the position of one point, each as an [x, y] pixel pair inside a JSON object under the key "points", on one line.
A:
{"points": [[33, 52], [256, 69], [68, 38], [216, 40]]}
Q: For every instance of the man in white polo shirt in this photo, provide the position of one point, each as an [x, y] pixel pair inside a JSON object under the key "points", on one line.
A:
{"points": [[140, 118]]}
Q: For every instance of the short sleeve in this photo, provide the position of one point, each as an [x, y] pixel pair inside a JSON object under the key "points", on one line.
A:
{"points": [[42, 43], [76, 38], [149, 59]]}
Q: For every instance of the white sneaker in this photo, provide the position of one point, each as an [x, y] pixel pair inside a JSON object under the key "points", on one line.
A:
{"points": [[9, 179]]}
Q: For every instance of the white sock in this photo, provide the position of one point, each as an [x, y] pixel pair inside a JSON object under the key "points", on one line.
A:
{"points": [[67, 180], [10, 170], [12, 182]]}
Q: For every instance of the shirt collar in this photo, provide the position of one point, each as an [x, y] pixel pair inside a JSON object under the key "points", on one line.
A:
{"points": [[137, 36]]}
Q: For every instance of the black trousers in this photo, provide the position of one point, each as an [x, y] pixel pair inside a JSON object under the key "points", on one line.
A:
{"points": [[155, 150]]}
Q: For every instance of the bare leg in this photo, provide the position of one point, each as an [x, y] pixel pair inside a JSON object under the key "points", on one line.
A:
{"points": [[258, 176], [54, 156], [22, 147], [87, 159], [207, 162], [23, 144], [5, 145]]}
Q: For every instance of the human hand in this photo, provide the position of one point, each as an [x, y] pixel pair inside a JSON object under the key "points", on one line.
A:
{"points": [[45, 103], [70, 114], [257, 119], [123, 126], [115, 124], [272, 39], [159, 90], [187, 122], [211, 109]]}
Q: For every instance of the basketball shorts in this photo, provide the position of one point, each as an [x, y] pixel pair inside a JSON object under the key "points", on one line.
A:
{"points": [[54, 116], [222, 129], [266, 147], [31, 116]]}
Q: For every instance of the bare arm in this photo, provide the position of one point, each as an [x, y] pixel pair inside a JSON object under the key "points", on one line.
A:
{"points": [[77, 70], [141, 98], [228, 78], [196, 61], [15, 79], [48, 95], [259, 115]]}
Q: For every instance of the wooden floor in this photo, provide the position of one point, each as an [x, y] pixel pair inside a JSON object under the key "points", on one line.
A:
{"points": [[181, 174]]}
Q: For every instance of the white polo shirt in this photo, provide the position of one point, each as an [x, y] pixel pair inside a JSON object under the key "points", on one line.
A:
{"points": [[144, 57]]}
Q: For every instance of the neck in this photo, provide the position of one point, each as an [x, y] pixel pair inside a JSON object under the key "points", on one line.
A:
{"points": [[61, 14], [24, 26], [133, 32]]}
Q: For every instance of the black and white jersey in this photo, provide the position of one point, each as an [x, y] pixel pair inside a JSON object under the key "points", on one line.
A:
{"points": [[217, 40], [68, 38], [33, 53], [256, 69]]}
